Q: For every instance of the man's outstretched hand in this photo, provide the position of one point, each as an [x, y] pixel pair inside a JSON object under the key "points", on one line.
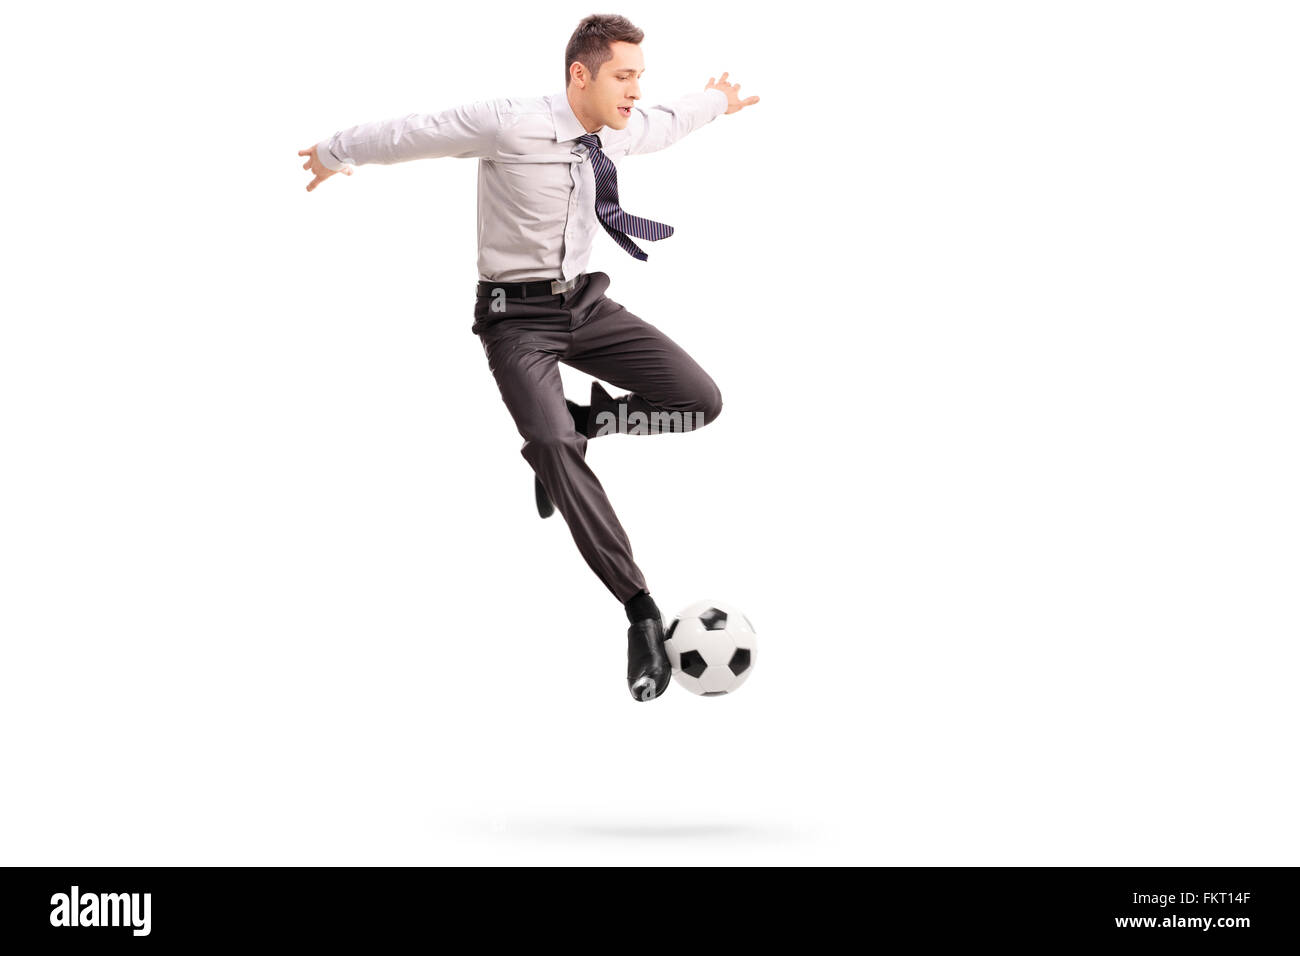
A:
{"points": [[313, 165], [734, 102]]}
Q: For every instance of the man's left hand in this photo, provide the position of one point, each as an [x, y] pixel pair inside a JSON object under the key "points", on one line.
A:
{"points": [[734, 103]]}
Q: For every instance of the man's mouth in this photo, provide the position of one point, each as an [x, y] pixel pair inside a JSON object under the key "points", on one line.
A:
{"points": [[625, 110]]}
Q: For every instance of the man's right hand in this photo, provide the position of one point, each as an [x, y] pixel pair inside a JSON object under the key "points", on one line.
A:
{"points": [[313, 165]]}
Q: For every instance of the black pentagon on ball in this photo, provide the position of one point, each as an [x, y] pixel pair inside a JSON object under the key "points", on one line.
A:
{"points": [[671, 627], [739, 662], [714, 620], [714, 693], [693, 663]]}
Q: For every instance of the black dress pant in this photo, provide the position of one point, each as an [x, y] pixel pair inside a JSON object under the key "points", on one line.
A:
{"points": [[524, 338]]}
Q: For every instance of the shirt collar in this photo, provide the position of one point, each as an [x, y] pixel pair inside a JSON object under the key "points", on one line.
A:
{"points": [[566, 123]]}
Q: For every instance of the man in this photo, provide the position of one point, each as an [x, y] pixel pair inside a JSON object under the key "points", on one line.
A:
{"points": [[547, 183]]}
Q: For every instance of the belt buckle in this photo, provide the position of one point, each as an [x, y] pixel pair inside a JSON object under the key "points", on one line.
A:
{"points": [[562, 285]]}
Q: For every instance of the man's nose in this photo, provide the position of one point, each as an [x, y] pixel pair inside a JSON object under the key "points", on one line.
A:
{"points": [[636, 90]]}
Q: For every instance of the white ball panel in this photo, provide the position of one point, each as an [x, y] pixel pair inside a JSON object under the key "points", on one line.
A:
{"points": [[717, 647], [686, 680], [689, 634], [744, 638], [716, 678]]}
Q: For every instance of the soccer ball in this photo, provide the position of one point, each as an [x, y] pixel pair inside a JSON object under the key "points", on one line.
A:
{"points": [[712, 648]]}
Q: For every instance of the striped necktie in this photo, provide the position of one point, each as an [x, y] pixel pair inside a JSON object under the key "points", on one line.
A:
{"points": [[618, 223]]}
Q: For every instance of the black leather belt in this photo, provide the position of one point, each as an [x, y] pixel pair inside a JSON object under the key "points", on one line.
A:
{"points": [[528, 290]]}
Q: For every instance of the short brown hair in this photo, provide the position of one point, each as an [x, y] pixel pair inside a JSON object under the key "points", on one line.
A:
{"points": [[589, 44]]}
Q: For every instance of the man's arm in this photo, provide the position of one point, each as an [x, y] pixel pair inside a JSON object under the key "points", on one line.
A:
{"points": [[468, 131], [661, 126]]}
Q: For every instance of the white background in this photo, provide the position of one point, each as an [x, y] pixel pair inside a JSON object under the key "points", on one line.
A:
{"points": [[1002, 301]]}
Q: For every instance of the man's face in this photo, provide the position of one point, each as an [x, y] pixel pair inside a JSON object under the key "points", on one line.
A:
{"points": [[608, 98]]}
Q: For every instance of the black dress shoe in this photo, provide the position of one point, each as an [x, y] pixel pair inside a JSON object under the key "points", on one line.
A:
{"points": [[648, 669], [545, 507]]}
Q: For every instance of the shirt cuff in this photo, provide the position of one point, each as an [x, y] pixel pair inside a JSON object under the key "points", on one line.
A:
{"points": [[326, 158], [719, 102]]}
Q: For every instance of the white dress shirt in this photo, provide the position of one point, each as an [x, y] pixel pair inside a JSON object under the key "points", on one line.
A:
{"points": [[536, 191]]}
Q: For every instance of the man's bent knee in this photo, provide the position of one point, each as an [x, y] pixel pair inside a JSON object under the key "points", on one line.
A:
{"points": [[709, 407], [703, 408]]}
